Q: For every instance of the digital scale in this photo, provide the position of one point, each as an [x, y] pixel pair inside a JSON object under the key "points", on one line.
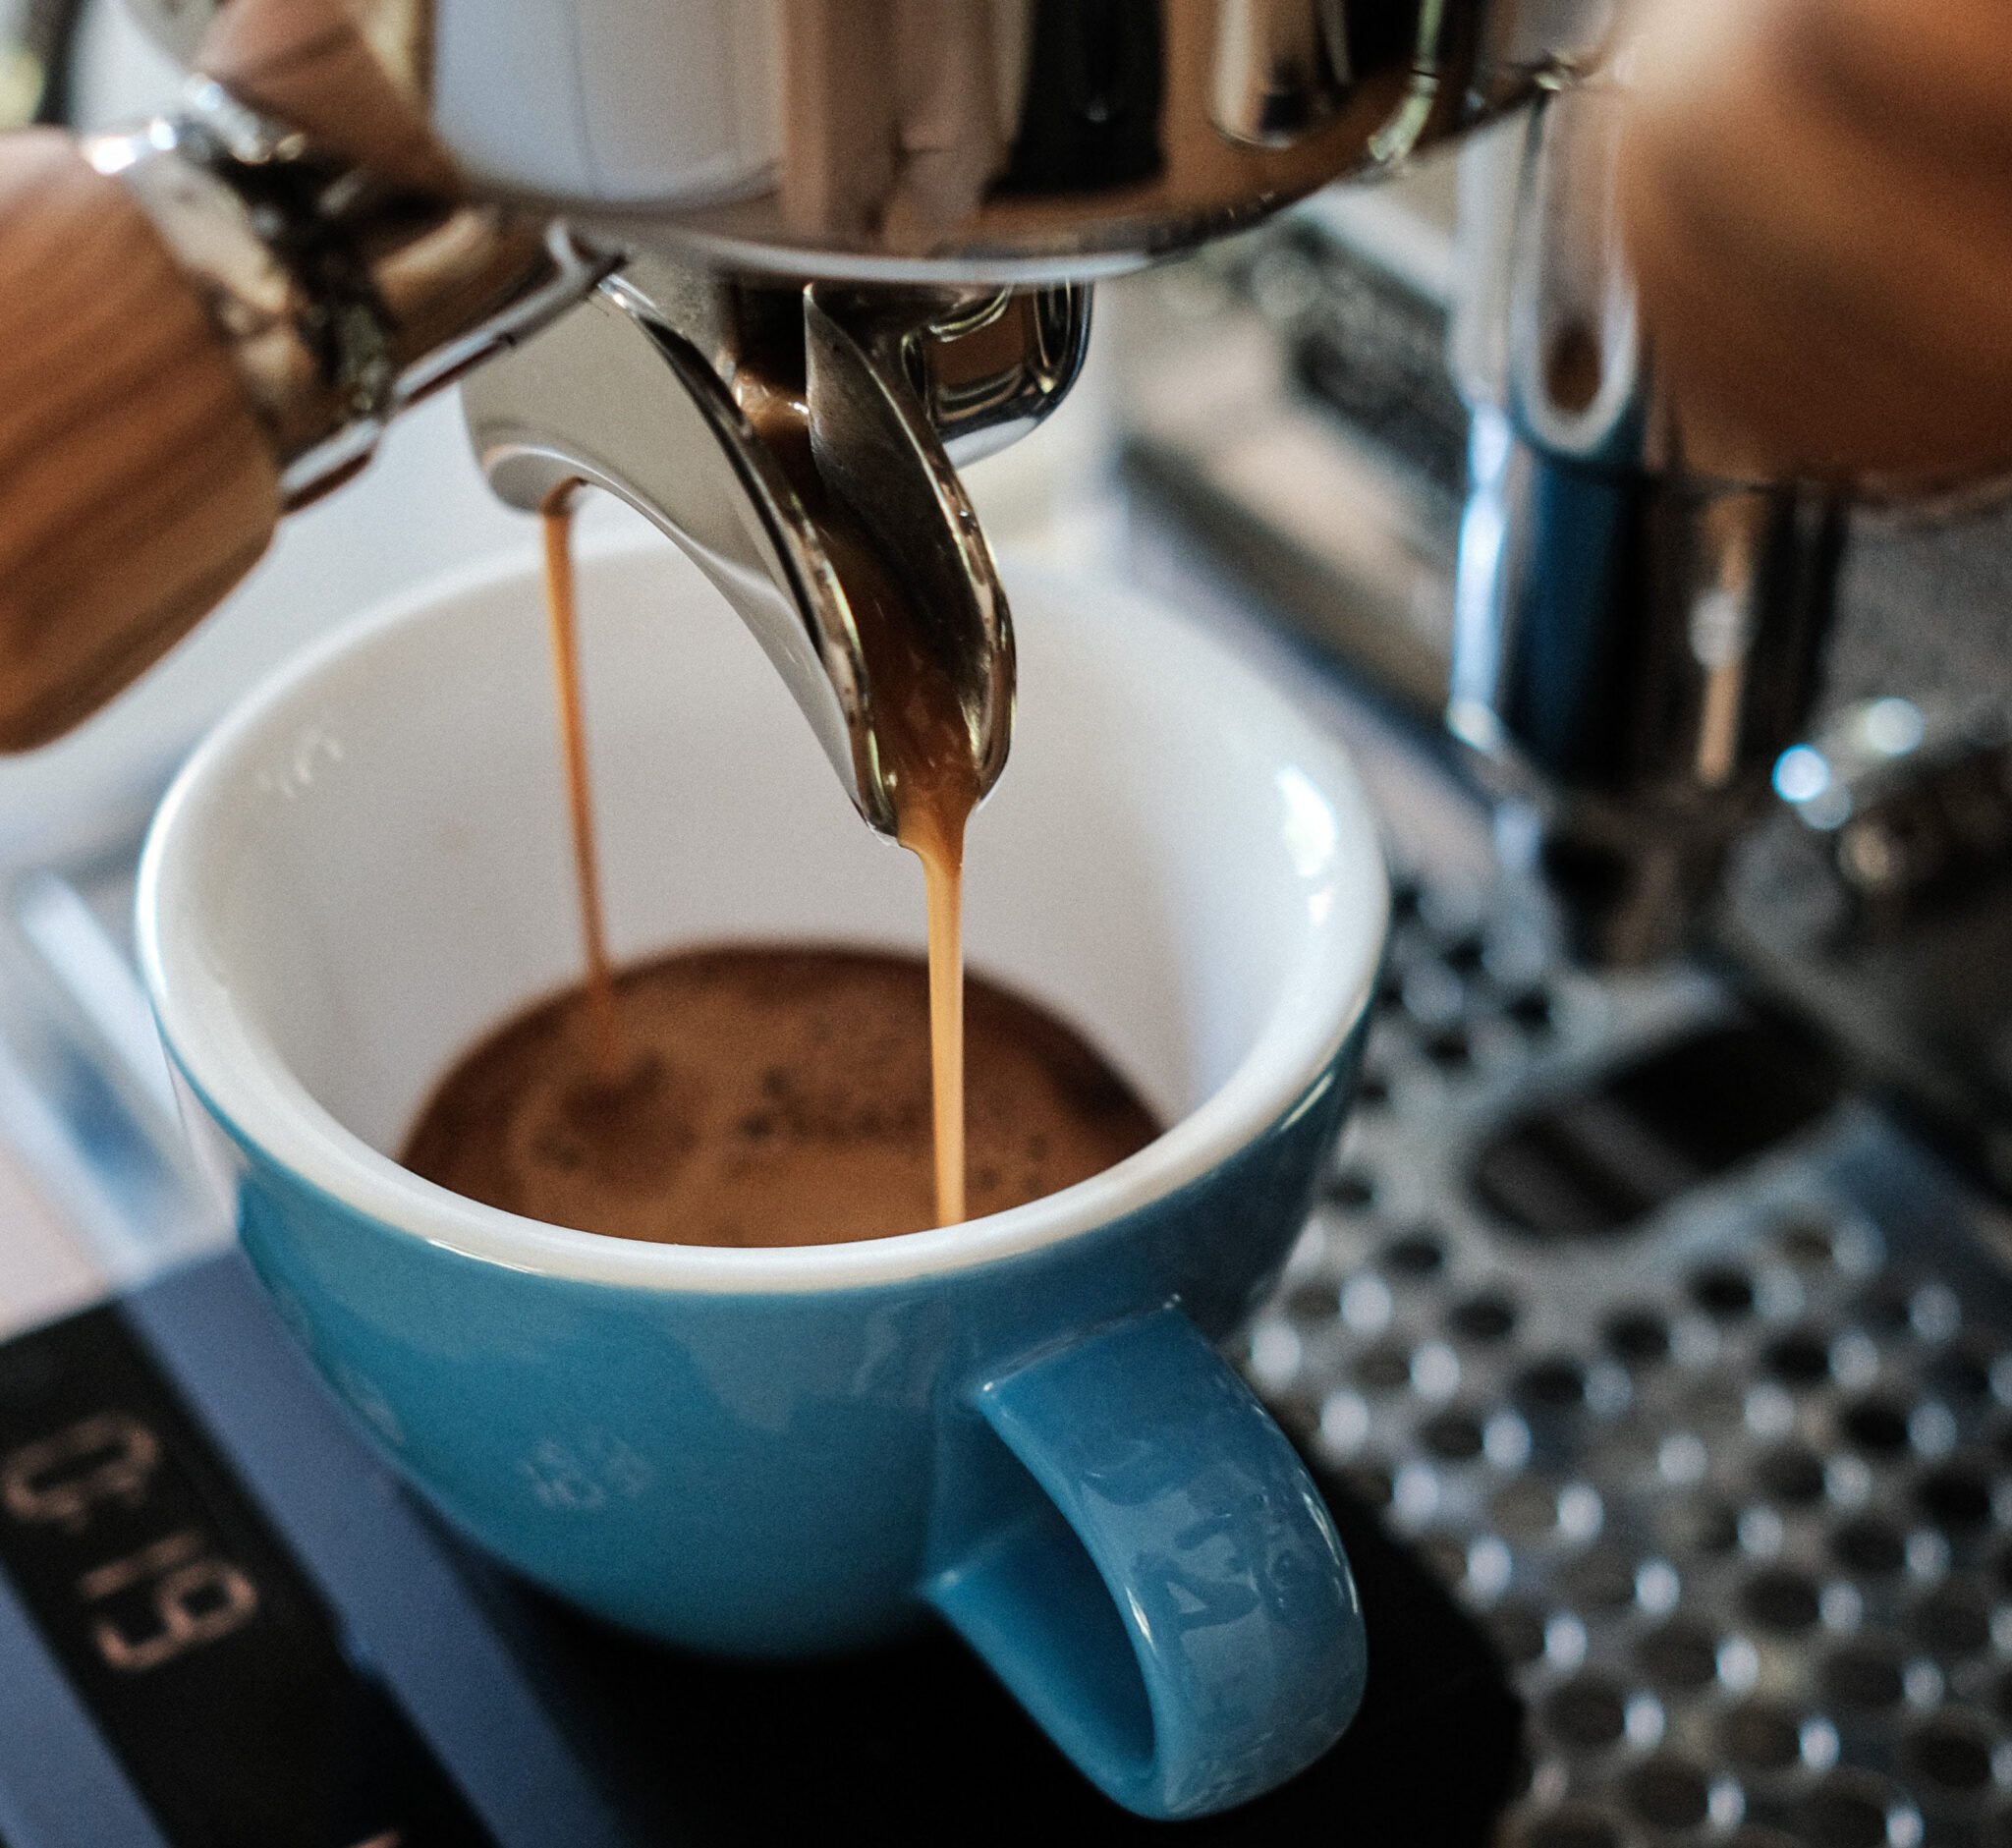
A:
{"points": [[223, 1624]]}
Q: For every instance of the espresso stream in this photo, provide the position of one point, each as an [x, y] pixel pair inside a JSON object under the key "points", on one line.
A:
{"points": [[599, 997], [928, 750], [782, 1096]]}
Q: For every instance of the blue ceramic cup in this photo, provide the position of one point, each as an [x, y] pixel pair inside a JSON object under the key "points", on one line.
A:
{"points": [[1021, 1422]]}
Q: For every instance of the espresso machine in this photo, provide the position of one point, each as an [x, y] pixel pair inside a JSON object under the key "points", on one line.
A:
{"points": [[1650, 1332]]}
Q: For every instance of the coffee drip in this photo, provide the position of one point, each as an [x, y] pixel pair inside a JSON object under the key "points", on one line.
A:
{"points": [[562, 620], [930, 767]]}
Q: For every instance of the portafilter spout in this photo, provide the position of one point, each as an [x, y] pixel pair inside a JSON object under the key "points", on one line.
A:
{"points": [[777, 431]]}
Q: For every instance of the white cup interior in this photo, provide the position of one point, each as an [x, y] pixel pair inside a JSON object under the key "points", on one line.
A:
{"points": [[368, 866]]}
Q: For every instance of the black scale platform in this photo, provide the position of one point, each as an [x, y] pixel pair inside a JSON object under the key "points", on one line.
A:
{"points": [[222, 1624]]}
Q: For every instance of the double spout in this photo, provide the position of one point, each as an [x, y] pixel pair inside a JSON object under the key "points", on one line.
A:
{"points": [[800, 442]]}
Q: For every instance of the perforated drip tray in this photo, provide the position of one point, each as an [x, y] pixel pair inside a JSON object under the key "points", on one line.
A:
{"points": [[1692, 1375]]}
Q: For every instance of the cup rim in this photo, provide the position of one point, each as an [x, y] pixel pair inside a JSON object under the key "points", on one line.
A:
{"points": [[241, 1083]]}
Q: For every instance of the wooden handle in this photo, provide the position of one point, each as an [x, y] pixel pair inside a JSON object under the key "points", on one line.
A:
{"points": [[1816, 201], [136, 485]]}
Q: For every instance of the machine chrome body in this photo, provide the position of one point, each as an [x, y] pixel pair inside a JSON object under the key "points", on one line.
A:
{"points": [[342, 301], [1641, 639], [1720, 1468], [944, 141]]}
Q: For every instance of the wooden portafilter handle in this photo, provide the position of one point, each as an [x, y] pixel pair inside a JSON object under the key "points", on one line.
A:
{"points": [[136, 487]]}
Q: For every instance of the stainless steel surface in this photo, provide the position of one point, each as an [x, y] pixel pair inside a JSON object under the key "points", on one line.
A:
{"points": [[613, 398], [1278, 394], [1314, 463], [1033, 141], [1282, 69], [1879, 903], [990, 371], [1637, 648], [921, 150], [648, 390], [981, 142], [1730, 1485], [342, 303], [1644, 640], [1915, 807], [1016, 141]]}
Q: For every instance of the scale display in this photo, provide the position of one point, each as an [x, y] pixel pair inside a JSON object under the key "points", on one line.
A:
{"points": [[212, 1666]]}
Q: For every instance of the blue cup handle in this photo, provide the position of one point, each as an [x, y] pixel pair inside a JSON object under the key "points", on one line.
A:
{"points": [[1166, 1595]]}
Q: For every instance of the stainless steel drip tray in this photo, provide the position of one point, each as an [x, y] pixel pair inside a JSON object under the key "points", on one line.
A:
{"points": [[1691, 1373]]}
